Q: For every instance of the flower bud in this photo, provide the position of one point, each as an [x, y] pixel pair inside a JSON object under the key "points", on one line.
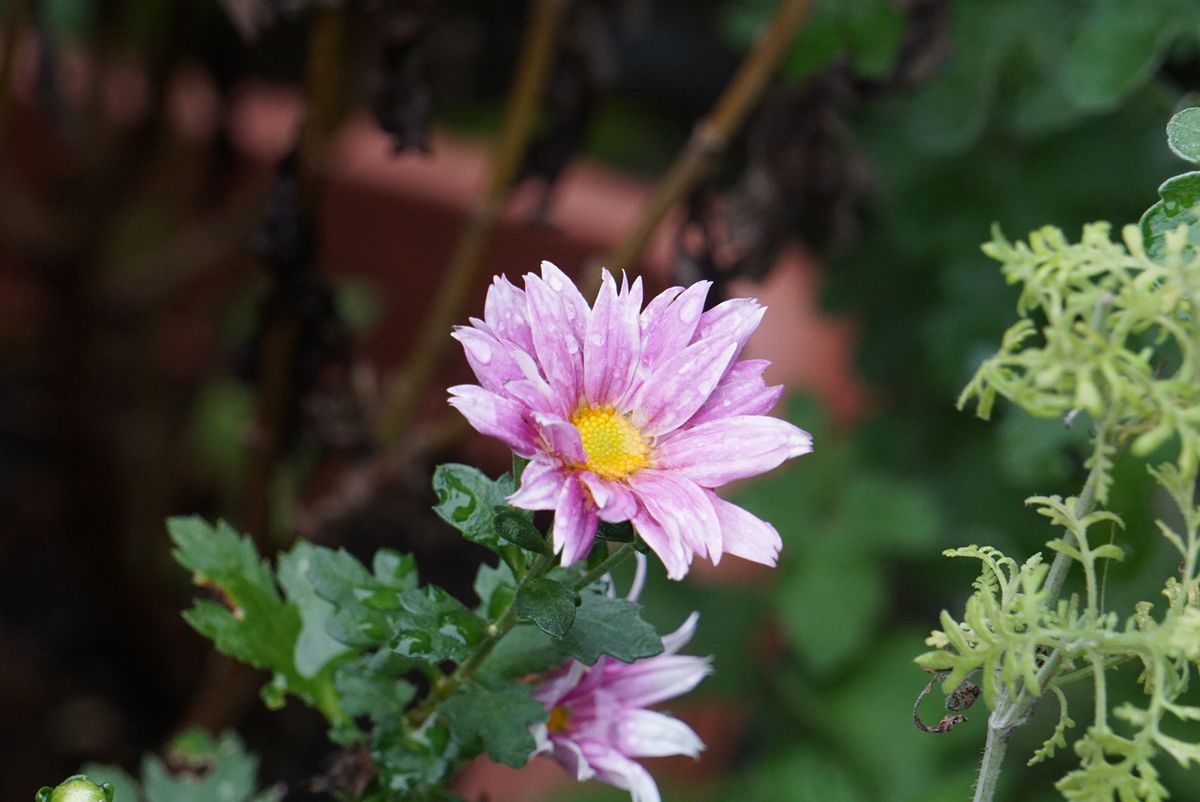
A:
{"points": [[76, 789]]}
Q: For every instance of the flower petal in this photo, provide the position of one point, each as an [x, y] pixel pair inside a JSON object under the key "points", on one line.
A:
{"points": [[720, 451], [737, 319], [672, 552], [574, 522], [614, 502], [654, 679], [669, 322], [615, 769], [556, 338], [506, 313], [680, 385], [645, 733], [680, 637], [568, 753], [560, 439], [612, 345], [541, 483], [681, 509], [741, 391], [746, 535], [491, 360], [495, 416]]}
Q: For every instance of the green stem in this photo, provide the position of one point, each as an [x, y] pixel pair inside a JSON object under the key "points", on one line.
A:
{"points": [[1008, 715], [993, 760], [495, 633], [610, 562]]}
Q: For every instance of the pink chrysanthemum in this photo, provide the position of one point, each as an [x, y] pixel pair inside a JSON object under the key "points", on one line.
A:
{"points": [[598, 719], [628, 414]]}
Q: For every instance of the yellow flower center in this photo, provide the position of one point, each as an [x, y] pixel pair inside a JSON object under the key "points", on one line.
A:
{"points": [[559, 718], [614, 446]]}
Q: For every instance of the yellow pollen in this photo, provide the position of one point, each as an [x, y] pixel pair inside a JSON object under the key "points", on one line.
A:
{"points": [[614, 446], [559, 718]]}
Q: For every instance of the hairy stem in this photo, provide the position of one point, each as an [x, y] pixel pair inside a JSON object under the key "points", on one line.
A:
{"points": [[533, 69], [712, 134], [993, 759], [1010, 714]]}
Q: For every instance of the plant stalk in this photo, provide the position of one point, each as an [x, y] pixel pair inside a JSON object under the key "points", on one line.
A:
{"points": [[712, 134], [533, 70]]}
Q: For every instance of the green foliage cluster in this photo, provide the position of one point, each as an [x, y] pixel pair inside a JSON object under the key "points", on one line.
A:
{"points": [[198, 768], [1111, 332], [404, 670]]}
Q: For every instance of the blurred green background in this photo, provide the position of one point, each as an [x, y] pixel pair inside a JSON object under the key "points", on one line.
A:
{"points": [[145, 279]]}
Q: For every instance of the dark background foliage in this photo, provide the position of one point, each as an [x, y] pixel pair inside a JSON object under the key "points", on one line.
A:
{"points": [[182, 330]]}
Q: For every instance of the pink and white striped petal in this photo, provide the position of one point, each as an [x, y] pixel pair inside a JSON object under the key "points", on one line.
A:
{"points": [[496, 416], [746, 535], [727, 449]]}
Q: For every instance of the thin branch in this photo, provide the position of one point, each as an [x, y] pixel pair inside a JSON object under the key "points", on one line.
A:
{"points": [[712, 134], [533, 69]]}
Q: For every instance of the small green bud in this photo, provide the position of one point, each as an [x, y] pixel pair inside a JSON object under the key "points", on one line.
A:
{"points": [[76, 789]]}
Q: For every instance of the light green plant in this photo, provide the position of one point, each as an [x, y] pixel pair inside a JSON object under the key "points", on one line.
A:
{"points": [[1109, 331]]}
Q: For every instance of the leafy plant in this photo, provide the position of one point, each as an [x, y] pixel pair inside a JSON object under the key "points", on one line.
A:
{"points": [[1110, 331]]}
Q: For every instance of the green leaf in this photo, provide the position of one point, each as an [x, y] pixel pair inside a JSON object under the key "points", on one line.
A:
{"points": [[433, 626], [362, 599], [498, 719], [367, 691], [1118, 48], [408, 760], [610, 626], [218, 771], [1183, 135], [549, 604], [516, 526], [468, 500], [254, 624], [523, 651], [314, 646], [495, 588], [1180, 196], [616, 533]]}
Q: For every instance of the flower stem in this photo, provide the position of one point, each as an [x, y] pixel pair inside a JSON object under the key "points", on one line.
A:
{"points": [[993, 759], [610, 562]]}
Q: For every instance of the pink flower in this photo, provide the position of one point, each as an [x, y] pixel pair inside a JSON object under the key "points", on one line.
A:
{"points": [[628, 414], [598, 719]]}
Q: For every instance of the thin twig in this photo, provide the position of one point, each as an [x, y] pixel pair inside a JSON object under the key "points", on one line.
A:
{"points": [[712, 134], [533, 69]]}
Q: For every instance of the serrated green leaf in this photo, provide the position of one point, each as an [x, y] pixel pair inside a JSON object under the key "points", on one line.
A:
{"points": [[254, 624], [468, 500], [366, 691], [411, 760], [496, 719], [610, 626], [432, 626], [1183, 135], [222, 771], [516, 527], [549, 604]]}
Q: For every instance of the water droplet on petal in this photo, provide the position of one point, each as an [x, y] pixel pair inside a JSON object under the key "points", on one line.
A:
{"points": [[597, 339], [726, 403], [690, 310], [572, 347], [570, 312], [480, 350], [555, 282]]}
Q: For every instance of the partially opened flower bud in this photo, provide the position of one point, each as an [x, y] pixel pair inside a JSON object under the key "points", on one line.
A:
{"points": [[76, 789]]}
